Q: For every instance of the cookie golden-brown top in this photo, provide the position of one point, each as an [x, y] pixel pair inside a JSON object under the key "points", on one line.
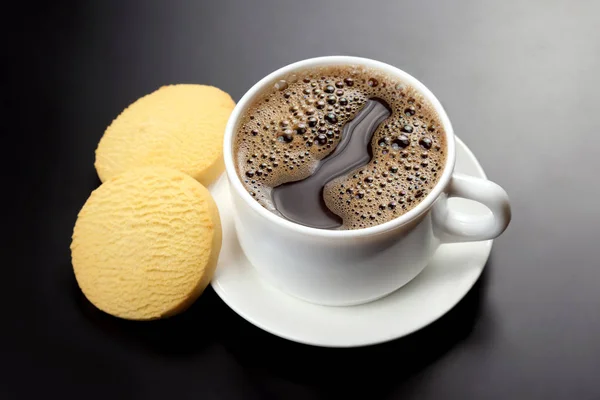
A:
{"points": [[146, 243], [177, 126]]}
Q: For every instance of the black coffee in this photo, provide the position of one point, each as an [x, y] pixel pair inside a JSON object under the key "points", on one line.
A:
{"points": [[340, 148]]}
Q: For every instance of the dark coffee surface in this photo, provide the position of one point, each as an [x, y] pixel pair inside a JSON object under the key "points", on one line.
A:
{"points": [[293, 129], [302, 201]]}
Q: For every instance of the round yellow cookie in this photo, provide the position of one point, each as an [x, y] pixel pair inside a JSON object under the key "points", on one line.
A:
{"points": [[177, 126], [146, 243]]}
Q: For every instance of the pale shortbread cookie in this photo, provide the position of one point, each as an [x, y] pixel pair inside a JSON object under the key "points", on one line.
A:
{"points": [[146, 243], [177, 126]]}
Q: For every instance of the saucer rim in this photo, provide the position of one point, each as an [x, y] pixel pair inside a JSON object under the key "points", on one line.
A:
{"points": [[358, 343]]}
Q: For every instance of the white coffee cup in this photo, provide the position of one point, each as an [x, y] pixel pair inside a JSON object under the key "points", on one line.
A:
{"points": [[349, 267]]}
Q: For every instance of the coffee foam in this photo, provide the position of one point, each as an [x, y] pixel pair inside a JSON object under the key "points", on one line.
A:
{"points": [[296, 123]]}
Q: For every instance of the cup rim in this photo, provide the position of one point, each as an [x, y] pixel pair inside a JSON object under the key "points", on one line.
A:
{"points": [[236, 183]]}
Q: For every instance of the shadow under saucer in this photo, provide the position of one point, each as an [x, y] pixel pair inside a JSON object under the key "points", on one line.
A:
{"points": [[371, 370]]}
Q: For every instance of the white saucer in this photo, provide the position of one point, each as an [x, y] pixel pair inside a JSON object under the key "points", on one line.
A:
{"points": [[452, 272]]}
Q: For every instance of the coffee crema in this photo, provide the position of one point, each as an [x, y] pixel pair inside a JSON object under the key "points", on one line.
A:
{"points": [[392, 147]]}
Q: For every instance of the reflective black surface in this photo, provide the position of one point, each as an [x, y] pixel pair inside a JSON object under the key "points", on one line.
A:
{"points": [[520, 82]]}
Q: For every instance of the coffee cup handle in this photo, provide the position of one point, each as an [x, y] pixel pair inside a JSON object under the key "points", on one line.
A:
{"points": [[455, 226]]}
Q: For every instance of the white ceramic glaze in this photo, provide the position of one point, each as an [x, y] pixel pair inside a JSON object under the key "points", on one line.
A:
{"points": [[340, 268], [451, 272]]}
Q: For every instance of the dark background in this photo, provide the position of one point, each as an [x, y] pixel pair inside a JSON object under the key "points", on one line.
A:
{"points": [[520, 83]]}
